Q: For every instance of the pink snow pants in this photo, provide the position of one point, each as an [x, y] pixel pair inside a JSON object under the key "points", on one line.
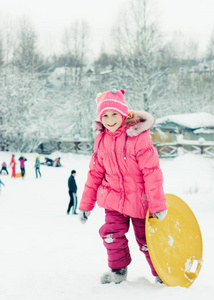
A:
{"points": [[114, 239]]}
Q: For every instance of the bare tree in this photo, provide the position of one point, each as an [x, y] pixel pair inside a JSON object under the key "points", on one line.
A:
{"points": [[75, 48], [210, 47], [1, 52], [182, 48], [137, 43], [25, 51], [8, 40]]}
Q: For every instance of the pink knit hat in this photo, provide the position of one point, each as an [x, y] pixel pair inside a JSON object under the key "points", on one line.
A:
{"points": [[111, 100]]}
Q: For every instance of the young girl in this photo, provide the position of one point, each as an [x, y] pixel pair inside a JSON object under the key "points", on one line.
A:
{"points": [[125, 179]]}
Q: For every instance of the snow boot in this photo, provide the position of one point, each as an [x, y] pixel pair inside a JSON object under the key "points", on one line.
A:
{"points": [[159, 280], [115, 275]]}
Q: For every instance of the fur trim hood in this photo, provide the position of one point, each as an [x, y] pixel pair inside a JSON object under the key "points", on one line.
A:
{"points": [[146, 122]]}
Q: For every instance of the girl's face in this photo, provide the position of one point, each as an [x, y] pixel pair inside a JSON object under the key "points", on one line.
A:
{"points": [[112, 120]]}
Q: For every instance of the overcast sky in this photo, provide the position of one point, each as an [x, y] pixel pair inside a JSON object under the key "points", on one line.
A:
{"points": [[194, 18]]}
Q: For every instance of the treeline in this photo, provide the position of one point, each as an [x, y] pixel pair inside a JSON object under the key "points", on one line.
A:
{"points": [[45, 98]]}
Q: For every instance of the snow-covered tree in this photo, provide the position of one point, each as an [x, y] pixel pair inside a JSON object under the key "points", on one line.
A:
{"points": [[51, 99], [25, 51], [137, 43], [75, 48], [210, 47]]}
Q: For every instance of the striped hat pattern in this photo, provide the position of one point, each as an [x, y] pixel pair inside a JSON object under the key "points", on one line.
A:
{"points": [[111, 100]]}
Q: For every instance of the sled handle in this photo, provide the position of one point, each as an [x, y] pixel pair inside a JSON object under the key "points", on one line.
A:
{"points": [[193, 275]]}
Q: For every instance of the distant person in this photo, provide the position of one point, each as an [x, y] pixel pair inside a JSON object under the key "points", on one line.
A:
{"points": [[72, 190], [13, 166], [1, 183], [4, 168], [57, 162], [22, 165], [49, 161], [37, 166]]}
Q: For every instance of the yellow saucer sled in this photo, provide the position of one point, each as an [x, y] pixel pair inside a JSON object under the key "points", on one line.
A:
{"points": [[19, 174], [175, 244]]}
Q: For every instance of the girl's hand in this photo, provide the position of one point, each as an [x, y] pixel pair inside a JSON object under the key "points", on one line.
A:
{"points": [[160, 215], [83, 214]]}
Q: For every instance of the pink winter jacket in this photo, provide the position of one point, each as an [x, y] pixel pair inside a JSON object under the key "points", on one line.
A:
{"points": [[124, 171]]}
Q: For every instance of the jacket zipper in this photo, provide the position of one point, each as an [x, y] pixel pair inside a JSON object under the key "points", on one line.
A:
{"points": [[121, 177]]}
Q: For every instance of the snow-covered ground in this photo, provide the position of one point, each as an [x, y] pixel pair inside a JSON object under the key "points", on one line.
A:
{"points": [[46, 254]]}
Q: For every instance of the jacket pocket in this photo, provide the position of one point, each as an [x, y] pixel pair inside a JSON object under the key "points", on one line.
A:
{"points": [[142, 198], [102, 193]]}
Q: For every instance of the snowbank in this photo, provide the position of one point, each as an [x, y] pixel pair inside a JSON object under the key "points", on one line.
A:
{"points": [[46, 254]]}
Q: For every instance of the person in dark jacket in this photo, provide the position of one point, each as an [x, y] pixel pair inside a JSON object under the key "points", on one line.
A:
{"points": [[49, 161], [4, 168], [72, 190]]}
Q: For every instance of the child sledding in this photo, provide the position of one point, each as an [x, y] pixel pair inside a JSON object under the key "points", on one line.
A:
{"points": [[52, 162]]}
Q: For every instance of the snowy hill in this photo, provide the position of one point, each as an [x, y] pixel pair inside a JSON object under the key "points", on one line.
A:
{"points": [[46, 254]]}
